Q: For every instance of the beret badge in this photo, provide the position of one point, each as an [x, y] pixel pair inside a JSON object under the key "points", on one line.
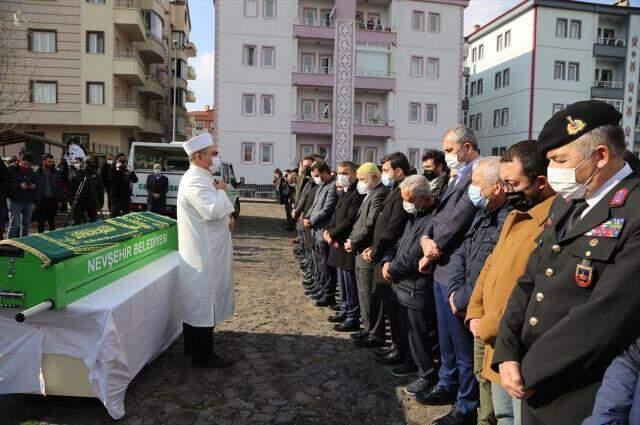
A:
{"points": [[575, 126]]}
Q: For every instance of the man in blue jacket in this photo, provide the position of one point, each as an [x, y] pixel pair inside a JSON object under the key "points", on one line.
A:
{"points": [[23, 192]]}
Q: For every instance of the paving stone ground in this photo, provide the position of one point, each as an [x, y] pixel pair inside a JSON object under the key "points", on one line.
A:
{"points": [[292, 368]]}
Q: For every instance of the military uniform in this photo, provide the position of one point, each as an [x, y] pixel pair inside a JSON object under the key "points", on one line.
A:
{"points": [[578, 304]]}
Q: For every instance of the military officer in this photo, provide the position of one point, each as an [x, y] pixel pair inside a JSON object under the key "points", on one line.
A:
{"points": [[578, 304]]}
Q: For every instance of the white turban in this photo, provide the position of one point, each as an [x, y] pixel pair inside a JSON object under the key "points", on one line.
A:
{"points": [[198, 143]]}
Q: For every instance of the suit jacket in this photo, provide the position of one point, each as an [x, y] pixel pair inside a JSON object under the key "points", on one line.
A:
{"points": [[323, 206], [362, 233], [160, 186], [344, 218], [390, 224], [577, 306], [453, 217]]}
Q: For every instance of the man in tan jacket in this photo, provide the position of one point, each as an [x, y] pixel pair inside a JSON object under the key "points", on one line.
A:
{"points": [[523, 170]]}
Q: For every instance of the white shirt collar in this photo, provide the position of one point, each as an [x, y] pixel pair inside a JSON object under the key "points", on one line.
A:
{"points": [[607, 187]]}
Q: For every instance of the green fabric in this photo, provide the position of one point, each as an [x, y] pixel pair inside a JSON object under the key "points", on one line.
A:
{"points": [[59, 245]]}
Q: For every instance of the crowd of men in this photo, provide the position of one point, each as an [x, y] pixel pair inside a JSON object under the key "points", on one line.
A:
{"points": [[507, 283], [79, 190]]}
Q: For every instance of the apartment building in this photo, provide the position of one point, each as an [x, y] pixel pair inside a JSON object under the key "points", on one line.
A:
{"points": [[201, 121], [349, 79], [542, 55], [100, 72]]}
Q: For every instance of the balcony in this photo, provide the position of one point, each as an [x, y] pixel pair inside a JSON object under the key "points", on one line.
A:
{"points": [[190, 49], [127, 113], [153, 87], [312, 76], [191, 73], [181, 83], [607, 89], [375, 80], [314, 28], [191, 97], [127, 65], [311, 124], [375, 33], [128, 17], [161, 7], [153, 126], [610, 48], [373, 127], [153, 50]]}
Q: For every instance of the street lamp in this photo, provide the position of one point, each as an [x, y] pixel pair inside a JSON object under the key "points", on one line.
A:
{"points": [[175, 75]]}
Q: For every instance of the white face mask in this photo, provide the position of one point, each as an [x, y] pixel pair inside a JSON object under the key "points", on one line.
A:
{"points": [[409, 207], [109, 161], [317, 180], [157, 172], [452, 161], [363, 188], [343, 180], [563, 181], [215, 165], [386, 180]]}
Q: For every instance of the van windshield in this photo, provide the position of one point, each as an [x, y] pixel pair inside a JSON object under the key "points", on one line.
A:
{"points": [[170, 158]]}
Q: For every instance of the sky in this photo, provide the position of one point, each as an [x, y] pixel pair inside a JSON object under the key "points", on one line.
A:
{"points": [[203, 34]]}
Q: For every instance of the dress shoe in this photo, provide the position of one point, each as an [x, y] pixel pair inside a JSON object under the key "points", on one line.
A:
{"points": [[456, 417], [335, 307], [369, 342], [392, 358], [212, 362], [317, 296], [337, 318], [381, 352], [421, 385], [404, 370], [347, 326], [361, 334], [326, 301], [437, 396]]}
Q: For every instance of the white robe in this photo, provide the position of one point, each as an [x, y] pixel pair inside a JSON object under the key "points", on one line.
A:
{"points": [[206, 251]]}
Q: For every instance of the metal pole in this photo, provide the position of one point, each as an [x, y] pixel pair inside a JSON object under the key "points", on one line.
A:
{"points": [[38, 308], [175, 74]]}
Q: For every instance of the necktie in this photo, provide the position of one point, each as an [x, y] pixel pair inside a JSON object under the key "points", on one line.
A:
{"points": [[574, 215]]}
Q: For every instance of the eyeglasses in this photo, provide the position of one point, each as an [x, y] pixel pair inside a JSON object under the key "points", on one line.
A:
{"points": [[506, 186]]}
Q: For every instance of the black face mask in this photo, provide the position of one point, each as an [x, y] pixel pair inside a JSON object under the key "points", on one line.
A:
{"points": [[430, 175], [519, 201]]}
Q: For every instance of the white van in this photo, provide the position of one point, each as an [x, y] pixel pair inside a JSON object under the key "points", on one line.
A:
{"points": [[174, 162]]}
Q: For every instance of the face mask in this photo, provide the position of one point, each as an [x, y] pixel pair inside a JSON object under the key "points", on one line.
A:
{"points": [[363, 188], [476, 197], [452, 161], [157, 172], [109, 161], [215, 165], [430, 175], [386, 180], [343, 180], [317, 180], [409, 207], [563, 181], [518, 200]]}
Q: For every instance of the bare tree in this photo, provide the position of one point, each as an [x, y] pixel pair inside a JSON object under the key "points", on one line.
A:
{"points": [[14, 93]]}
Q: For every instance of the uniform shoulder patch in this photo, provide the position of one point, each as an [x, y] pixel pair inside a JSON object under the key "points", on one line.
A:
{"points": [[619, 198]]}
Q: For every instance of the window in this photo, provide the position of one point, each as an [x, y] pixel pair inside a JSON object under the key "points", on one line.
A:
{"points": [[199, 125], [249, 56], [478, 122], [371, 155], [266, 153], [417, 21], [561, 28], [504, 121], [473, 88], [506, 77], [480, 52], [43, 41], [499, 42], [96, 1], [372, 59], [248, 104], [81, 139], [248, 151], [434, 22], [416, 66], [507, 39], [496, 118], [95, 93], [325, 18], [153, 23], [413, 155], [356, 155], [559, 70], [95, 42], [498, 80], [308, 63], [310, 17], [372, 112], [269, 9], [357, 113], [308, 112], [182, 69], [325, 152], [267, 106], [268, 57], [472, 121], [573, 73], [325, 110], [44, 92], [306, 150], [498, 151], [414, 113], [325, 65], [431, 113], [433, 67], [474, 54], [557, 107], [480, 86], [180, 37], [575, 29], [251, 8]]}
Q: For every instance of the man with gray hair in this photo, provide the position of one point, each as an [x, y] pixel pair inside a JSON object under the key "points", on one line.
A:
{"points": [[577, 305], [413, 289]]}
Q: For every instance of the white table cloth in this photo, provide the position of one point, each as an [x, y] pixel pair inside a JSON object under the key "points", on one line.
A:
{"points": [[115, 331]]}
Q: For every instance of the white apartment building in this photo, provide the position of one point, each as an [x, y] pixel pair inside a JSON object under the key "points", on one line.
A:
{"points": [[349, 79], [542, 55]]}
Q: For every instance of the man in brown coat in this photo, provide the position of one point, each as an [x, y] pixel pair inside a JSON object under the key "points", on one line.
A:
{"points": [[523, 170]]}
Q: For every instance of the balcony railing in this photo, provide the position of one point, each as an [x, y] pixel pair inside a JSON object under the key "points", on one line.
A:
{"points": [[611, 41], [319, 70], [609, 84], [156, 79], [126, 4], [126, 104], [373, 26], [374, 73], [309, 22], [376, 122], [155, 38], [325, 118]]}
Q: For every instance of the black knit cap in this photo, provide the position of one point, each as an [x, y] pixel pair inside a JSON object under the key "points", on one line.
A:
{"points": [[577, 119]]}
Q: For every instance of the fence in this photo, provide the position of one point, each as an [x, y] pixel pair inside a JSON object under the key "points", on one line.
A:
{"points": [[257, 191]]}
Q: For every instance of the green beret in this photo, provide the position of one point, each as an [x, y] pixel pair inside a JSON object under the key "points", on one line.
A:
{"points": [[575, 120]]}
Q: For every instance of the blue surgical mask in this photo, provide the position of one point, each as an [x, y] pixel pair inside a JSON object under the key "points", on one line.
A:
{"points": [[386, 180], [475, 194]]}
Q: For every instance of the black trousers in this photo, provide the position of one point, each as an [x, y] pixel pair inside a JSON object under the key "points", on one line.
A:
{"points": [[47, 213], [120, 206], [415, 330], [198, 342], [79, 213], [325, 274]]}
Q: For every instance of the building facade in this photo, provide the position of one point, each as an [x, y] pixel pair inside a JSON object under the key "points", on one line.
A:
{"points": [[99, 72], [201, 122], [542, 55], [348, 79]]}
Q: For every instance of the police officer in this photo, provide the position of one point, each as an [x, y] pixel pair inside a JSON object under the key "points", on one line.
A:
{"points": [[578, 305]]}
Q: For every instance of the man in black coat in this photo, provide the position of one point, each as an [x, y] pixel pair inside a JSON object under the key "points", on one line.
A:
{"points": [[121, 179], [435, 170], [388, 229], [87, 193], [577, 306], [49, 193], [157, 188], [348, 318], [105, 174]]}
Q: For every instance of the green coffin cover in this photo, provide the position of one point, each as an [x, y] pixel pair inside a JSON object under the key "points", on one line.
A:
{"points": [[59, 245]]}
